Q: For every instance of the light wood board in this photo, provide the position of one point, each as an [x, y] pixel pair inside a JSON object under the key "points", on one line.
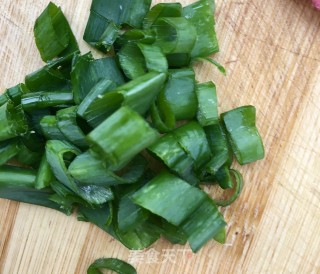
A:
{"points": [[271, 50]]}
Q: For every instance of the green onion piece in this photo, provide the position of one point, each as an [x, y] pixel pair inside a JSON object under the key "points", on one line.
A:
{"points": [[113, 264], [238, 185], [201, 15], [169, 197], [44, 175], [132, 61], [141, 92], [67, 123], [3, 99], [31, 196], [221, 153], [108, 37], [137, 94], [243, 135], [53, 34], [130, 215], [162, 10], [13, 121], [223, 177], [135, 60], [100, 216], [28, 156], [16, 177], [122, 136], [192, 139], [49, 128], [203, 224], [173, 233], [47, 79], [106, 12], [174, 34], [221, 236], [154, 58], [57, 153], [40, 100], [208, 105], [8, 149], [180, 93], [141, 237], [14, 94], [87, 169], [168, 150], [164, 119], [91, 109], [86, 73]]}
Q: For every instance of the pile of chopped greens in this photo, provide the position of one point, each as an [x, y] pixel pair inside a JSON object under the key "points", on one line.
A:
{"points": [[128, 140]]}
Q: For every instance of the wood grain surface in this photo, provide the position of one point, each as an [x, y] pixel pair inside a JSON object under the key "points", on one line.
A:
{"points": [[271, 50]]}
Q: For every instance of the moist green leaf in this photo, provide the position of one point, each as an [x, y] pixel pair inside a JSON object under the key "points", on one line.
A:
{"points": [[169, 197], [113, 264], [121, 137], [243, 134]]}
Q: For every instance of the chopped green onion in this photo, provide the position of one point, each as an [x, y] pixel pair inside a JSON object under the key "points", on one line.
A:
{"points": [[44, 175], [244, 137], [49, 128], [162, 10], [165, 193], [180, 93], [8, 149], [68, 125], [52, 33], [86, 73], [174, 34], [203, 224], [40, 100], [13, 121], [200, 15], [208, 105], [122, 136]]}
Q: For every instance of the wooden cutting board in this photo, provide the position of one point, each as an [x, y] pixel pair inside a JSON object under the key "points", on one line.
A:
{"points": [[271, 50]]}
